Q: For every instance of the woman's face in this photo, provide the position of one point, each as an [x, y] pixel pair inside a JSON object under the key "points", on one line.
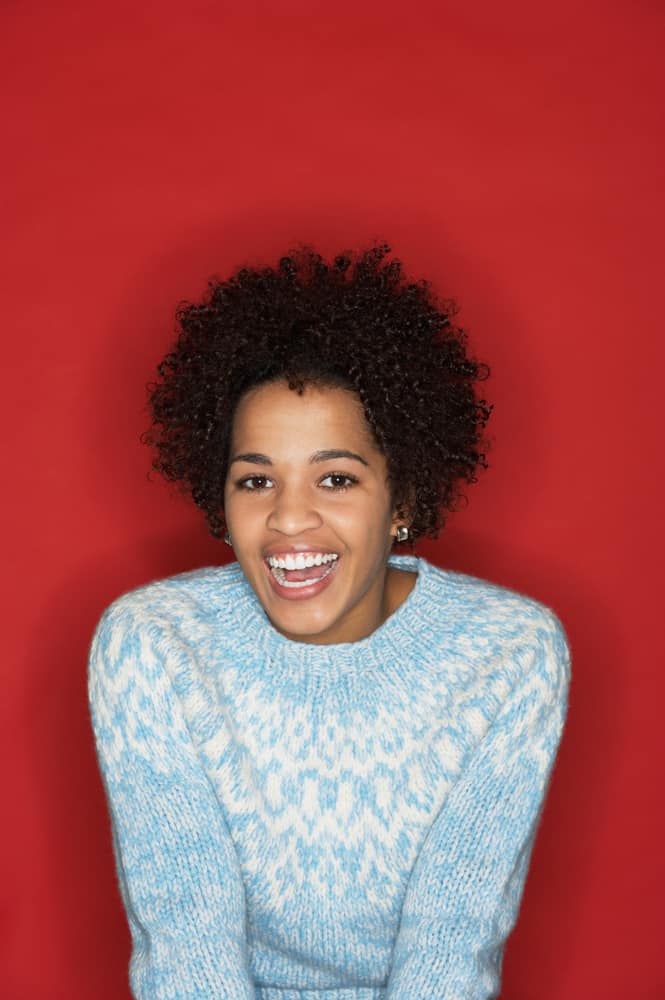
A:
{"points": [[309, 511]]}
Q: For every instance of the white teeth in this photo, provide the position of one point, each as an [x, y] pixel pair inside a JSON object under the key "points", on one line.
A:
{"points": [[301, 560]]}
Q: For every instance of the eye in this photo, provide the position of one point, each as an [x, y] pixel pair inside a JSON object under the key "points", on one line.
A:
{"points": [[339, 481], [254, 483]]}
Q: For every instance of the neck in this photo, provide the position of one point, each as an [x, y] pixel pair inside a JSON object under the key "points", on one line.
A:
{"points": [[389, 591]]}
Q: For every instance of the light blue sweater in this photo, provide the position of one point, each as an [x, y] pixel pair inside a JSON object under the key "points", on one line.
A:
{"points": [[301, 822]]}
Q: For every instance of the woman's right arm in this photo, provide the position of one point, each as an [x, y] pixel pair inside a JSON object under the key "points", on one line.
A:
{"points": [[177, 866]]}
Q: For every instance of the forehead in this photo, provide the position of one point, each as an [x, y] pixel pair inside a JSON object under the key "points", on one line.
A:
{"points": [[321, 417]]}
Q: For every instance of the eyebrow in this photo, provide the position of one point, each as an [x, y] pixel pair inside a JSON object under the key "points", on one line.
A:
{"points": [[256, 458]]}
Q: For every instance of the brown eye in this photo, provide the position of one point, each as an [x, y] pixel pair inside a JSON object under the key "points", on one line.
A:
{"points": [[254, 483], [339, 481]]}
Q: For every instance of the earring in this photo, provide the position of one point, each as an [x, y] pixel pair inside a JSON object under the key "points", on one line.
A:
{"points": [[227, 538], [402, 533]]}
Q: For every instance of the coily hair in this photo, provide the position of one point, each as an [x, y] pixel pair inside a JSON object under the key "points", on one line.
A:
{"points": [[357, 323]]}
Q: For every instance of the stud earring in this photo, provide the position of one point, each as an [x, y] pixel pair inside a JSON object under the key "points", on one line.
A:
{"points": [[227, 538], [402, 533]]}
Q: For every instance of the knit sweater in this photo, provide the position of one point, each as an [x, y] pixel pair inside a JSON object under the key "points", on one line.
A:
{"points": [[354, 821]]}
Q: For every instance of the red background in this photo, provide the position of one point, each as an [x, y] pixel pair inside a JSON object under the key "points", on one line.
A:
{"points": [[512, 153]]}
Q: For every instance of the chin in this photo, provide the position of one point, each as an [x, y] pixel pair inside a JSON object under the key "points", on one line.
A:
{"points": [[301, 625]]}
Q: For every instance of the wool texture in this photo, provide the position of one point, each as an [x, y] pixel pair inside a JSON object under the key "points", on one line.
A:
{"points": [[353, 821]]}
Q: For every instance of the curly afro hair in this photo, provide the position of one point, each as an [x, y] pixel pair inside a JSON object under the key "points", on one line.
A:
{"points": [[355, 323]]}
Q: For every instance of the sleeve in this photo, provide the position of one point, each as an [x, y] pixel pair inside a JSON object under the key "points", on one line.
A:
{"points": [[177, 867], [464, 892]]}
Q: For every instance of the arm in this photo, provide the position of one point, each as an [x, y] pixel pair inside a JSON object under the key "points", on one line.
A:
{"points": [[464, 892], [177, 867]]}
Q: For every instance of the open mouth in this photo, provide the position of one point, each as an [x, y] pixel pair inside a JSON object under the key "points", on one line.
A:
{"points": [[301, 571]]}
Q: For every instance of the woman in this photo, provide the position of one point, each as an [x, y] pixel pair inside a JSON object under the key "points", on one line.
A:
{"points": [[325, 763]]}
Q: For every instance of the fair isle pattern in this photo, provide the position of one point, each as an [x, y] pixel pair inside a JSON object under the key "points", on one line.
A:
{"points": [[342, 822]]}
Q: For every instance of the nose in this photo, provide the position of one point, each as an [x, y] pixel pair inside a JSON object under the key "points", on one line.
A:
{"points": [[293, 511]]}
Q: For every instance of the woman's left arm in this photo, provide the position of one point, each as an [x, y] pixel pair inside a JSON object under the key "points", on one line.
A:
{"points": [[464, 892]]}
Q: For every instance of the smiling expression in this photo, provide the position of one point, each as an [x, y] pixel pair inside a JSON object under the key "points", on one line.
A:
{"points": [[309, 511]]}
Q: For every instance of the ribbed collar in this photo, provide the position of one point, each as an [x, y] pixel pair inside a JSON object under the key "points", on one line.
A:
{"points": [[409, 626]]}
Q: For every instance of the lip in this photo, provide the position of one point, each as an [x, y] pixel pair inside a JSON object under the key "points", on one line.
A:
{"points": [[301, 593]]}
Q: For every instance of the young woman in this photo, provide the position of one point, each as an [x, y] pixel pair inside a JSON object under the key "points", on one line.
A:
{"points": [[325, 763]]}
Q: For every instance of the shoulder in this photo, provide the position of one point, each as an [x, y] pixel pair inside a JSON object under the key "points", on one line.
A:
{"points": [[170, 599], [490, 604], [497, 616], [163, 616], [141, 647]]}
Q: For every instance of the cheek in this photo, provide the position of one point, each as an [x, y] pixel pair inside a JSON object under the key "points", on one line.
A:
{"points": [[238, 512], [367, 522]]}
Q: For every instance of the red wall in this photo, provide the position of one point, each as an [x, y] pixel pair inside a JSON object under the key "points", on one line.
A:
{"points": [[513, 154]]}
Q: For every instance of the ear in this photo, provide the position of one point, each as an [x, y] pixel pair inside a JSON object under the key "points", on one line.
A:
{"points": [[403, 513], [398, 522]]}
